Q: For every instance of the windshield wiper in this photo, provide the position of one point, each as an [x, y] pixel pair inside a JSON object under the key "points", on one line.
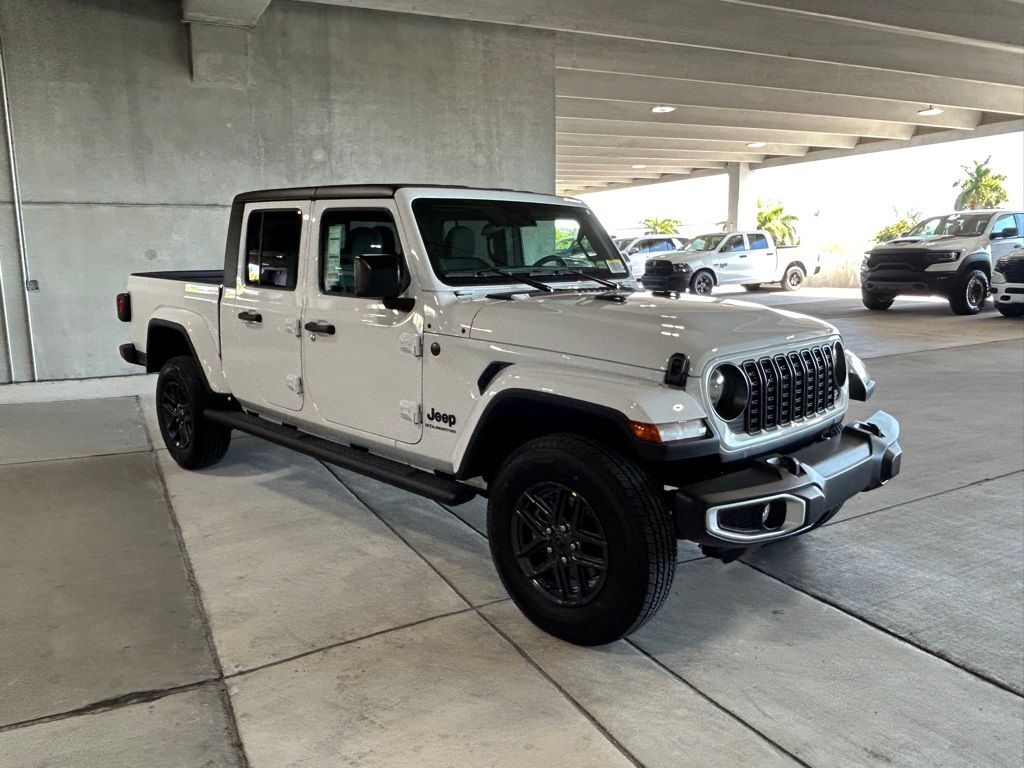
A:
{"points": [[521, 278], [577, 273]]}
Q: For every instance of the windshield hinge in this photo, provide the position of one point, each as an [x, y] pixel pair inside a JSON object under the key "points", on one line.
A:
{"points": [[411, 343], [294, 383]]}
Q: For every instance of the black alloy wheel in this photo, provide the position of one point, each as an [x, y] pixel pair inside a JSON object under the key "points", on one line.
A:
{"points": [[559, 544], [177, 415], [702, 284]]}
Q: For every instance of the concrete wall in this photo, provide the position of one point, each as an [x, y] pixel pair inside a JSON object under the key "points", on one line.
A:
{"points": [[129, 148]]}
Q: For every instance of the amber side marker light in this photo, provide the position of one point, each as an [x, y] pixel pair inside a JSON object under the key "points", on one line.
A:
{"points": [[649, 433]]}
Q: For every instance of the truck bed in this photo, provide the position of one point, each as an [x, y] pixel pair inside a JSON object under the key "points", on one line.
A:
{"points": [[209, 276]]}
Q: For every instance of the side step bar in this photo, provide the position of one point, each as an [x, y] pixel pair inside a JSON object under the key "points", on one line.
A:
{"points": [[417, 481]]}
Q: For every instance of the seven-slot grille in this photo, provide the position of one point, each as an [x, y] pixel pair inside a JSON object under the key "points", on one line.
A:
{"points": [[788, 387]]}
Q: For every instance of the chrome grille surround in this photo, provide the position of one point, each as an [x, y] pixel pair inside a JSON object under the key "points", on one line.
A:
{"points": [[792, 391]]}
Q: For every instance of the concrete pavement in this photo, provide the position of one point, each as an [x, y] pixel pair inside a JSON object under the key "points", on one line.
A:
{"points": [[271, 611]]}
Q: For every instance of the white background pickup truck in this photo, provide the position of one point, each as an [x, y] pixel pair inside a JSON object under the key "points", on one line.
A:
{"points": [[455, 342], [730, 258]]}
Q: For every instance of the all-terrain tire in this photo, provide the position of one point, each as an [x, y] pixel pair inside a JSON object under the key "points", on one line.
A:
{"points": [[181, 397], [876, 301], [596, 483], [968, 297]]}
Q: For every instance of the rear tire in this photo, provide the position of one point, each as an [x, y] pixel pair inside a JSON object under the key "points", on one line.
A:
{"points": [[752, 286], [581, 539], [794, 278], [702, 283], [1011, 310], [969, 296], [181, 397], [876, 301]]}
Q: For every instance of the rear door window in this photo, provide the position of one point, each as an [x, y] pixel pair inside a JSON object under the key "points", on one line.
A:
{"points": [[272, 241], [758, 242]]}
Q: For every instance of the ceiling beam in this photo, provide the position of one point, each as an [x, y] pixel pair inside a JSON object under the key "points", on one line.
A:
{"points": [[713, 24], [668, 130], [604, 54], [232, 13], [669, 146], [979, 21], [692, 93], [746, 156], [753, 120]]}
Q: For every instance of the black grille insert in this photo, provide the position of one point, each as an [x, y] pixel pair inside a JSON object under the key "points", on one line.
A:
{"points": [[788, 387]]}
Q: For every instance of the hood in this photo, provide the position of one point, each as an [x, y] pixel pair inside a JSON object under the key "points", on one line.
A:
{"points": [[644, 330], [929, 243]]}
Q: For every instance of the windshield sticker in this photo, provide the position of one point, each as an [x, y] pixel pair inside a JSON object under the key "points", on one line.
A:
{"points": [[616, 267]]}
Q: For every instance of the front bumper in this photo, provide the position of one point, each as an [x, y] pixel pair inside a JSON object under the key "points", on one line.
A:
{"points": [[677, 282], [784, 495], [897, 281], [1005, 292]]}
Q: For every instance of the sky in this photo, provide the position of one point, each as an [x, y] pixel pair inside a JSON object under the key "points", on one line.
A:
{"points": [[841, 202]]}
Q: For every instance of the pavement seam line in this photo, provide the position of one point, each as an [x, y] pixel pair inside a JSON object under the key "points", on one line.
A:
{"points": [[197, 596], [75, 458], [565, 694], [476, 609], [885, 630], [107, 705], [925, 498], [351, 640], [720, 707], [941, 349]]}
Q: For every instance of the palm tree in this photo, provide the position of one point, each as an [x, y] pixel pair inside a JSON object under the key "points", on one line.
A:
{"points": [[656, 226], [773, 219], [980, 187]]}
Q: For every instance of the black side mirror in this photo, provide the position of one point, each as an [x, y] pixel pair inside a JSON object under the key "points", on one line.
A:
{"points": [[1011, 232], [379, 276]]}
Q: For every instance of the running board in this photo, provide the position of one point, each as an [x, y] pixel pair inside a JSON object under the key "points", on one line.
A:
{"points": [[434, 487]]}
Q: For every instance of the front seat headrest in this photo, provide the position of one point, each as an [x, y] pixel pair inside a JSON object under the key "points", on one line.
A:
{"points": [[364, 241]]}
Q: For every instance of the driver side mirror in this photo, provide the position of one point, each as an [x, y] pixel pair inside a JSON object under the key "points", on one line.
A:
{"points": [[379, 276], [1004, 233]]}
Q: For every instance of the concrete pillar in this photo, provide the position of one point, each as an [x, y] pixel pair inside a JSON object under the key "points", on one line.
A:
{"points": [[742, 209]]}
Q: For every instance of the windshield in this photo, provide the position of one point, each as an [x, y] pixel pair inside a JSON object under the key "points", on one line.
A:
{"points": [[494, 241], [622, 242], [958, 224], [705, 242]]}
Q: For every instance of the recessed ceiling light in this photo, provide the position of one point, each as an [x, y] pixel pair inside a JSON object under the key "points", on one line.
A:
{"points": [[930, 111], [639, 167], [757, 144], [662, 109]]}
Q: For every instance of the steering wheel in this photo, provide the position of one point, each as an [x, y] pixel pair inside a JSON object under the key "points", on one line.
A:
{"points": [[553, 259]]}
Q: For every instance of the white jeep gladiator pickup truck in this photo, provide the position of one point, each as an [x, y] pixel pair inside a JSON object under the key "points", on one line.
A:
{"points": [[730, 258], [436, 339]]}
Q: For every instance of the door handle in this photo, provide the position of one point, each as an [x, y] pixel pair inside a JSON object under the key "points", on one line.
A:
{"points": [[250, 317], [743, 255], [315, 327]]}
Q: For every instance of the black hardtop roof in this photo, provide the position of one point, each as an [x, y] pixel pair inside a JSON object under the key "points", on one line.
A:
{"points": [[343, 191]]}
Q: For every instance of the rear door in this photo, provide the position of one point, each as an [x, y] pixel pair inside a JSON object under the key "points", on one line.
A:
{"points": [[260, 314], [362, 360], [761, 263]]}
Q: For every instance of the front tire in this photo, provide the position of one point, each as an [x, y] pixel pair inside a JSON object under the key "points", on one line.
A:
{"points": [[794, 278], [581, 539], [1011, 310], [702, 283], [876, 301], [181, 397], [969, 296]]}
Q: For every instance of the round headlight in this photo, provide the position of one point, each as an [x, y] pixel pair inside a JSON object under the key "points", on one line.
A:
{"points": [[728, 391], [839, 369]]}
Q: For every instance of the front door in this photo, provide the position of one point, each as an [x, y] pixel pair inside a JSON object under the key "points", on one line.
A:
{"points": [[262, 305], [732, 261], [1002, 244], [362, 360]]}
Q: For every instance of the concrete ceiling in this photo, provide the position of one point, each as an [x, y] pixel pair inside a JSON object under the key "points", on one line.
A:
{"points": [[808, 78]]}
